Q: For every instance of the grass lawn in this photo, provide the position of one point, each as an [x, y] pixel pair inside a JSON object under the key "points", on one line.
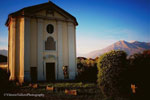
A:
{"points": [[85, 91]]}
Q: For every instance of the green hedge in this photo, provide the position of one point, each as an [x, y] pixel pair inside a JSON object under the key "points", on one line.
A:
{"points": [[112, 74]]}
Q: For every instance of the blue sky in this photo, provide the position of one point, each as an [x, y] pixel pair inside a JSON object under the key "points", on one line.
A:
{"points": [[101, 22]]}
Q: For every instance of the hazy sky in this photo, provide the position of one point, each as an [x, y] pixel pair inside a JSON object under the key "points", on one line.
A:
{"points": [[101, 22]]}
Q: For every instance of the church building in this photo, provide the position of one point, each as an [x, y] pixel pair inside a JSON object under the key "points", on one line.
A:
{"points": [[42, 44]]}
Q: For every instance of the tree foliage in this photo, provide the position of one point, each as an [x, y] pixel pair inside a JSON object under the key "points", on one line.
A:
{"points": [[4, 77], [139, 72], [87, 70], [3, 58], [112, 70]]}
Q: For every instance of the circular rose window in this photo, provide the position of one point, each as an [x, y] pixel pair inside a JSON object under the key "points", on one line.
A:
{"points": [[50, 28]]}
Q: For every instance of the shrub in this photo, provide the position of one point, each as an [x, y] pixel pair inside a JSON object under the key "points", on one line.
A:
{"points": [[87, 70], [4, 78], [3, 58], [139, 73], [112, 70]]}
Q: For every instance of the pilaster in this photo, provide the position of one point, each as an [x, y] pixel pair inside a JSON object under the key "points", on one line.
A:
{"points": [[22, 47], [27, 50], [60, 52], [40, 50], [72, 55], [12, 48]]}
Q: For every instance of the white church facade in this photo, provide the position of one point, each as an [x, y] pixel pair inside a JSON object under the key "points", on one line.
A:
{"points": [[42, 44]]}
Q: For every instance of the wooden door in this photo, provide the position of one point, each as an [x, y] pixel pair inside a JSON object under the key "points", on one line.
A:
{"points": [[50, 72], [33, 73]]}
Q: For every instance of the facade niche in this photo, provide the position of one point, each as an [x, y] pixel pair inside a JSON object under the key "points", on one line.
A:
{"points": [[65, 72], [50, 44]]}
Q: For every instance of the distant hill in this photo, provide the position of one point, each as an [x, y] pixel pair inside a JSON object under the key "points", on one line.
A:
{"points": [[129, 47], [4, 52]]}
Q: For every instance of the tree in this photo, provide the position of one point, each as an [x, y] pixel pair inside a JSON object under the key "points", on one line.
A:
{"points": [[3, 58], [87, 70], [112, 70], [139, 73], [4, 78]]}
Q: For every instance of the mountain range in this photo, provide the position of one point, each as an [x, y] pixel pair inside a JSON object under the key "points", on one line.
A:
{"points": [[129, 47], [4, 52]]}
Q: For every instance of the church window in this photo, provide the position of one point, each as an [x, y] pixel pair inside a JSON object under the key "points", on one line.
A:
{"points": [[50, 44], [50, 28]]}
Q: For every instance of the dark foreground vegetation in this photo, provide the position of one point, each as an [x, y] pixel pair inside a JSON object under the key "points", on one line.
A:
{"points": [[85, 91], [112, 76], [3, 58], [118, 75]]}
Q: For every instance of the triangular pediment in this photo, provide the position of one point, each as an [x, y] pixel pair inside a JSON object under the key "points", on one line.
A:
{"points": [[49, 13], [48, 9]]}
